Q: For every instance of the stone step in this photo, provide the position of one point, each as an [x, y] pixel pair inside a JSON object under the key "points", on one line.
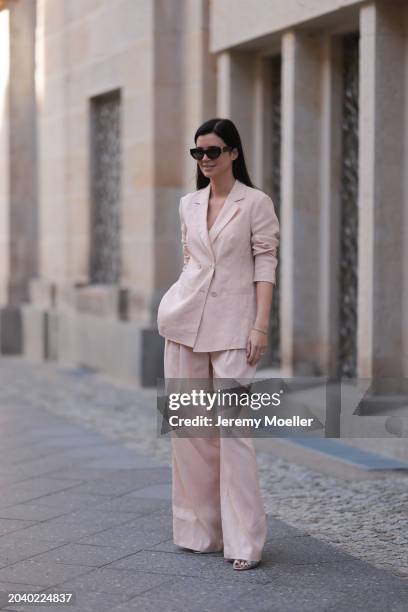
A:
{"points": [[332, 457], [335, 456]]}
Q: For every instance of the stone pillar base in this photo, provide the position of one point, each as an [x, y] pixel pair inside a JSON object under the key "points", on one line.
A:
{"points": [[124, 349], [11, 337]]}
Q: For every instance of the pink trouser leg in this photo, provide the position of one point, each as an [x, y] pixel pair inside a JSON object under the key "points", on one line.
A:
{"points": [[195, 466], [244, 523], [215, 489]]}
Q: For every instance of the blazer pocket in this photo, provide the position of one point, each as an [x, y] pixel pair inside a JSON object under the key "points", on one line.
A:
{"points": [[190, 276]]}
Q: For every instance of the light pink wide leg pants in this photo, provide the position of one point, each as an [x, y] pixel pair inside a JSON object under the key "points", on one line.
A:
{"points": [[216, 498]]}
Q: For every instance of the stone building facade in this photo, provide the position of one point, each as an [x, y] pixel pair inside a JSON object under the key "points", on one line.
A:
{"points": [[99, 101]]}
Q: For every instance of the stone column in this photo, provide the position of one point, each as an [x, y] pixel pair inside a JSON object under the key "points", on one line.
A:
{"points": [[405, 207], [327, 300], [167, 145], [199, 82], [300, 207], [51, 83], [19, 197], [262, 163], [381, 197], [23, 151], [4, 153], [236, 97], [184, 97]]}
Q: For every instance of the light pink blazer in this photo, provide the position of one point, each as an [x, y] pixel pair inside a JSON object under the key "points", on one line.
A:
{"points": [[212, 305]]}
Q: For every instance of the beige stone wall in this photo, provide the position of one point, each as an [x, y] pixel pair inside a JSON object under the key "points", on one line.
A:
{"points": [[156, 54], [237, 22], [86, 49]]}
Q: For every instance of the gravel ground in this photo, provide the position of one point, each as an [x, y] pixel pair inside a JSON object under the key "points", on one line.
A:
{"points": [[365, 518]]}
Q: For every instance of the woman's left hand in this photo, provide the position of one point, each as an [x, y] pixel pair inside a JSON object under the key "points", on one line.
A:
{"points": [[256, 346]]}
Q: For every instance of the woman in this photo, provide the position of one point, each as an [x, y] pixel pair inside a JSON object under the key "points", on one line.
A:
{"points": [[214, 319]]}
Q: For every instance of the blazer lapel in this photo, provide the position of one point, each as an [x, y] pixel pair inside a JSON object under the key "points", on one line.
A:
{"points": [[228, 210], [201, 217]]}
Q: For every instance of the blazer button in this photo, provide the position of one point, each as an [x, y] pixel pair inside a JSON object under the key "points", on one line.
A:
{"points": [[213, 293]]}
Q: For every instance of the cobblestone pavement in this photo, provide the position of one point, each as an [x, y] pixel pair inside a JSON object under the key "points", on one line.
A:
{"points": [[367, 519]]}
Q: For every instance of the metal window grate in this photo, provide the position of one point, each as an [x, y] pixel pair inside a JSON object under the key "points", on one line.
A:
{"points": [[347, 351], [274, 327], [105, 188]]}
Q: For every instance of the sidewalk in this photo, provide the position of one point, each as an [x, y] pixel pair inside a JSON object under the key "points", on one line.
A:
{"points": [[81, 513]]}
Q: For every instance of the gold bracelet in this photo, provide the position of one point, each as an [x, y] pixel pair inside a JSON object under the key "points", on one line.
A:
{"points": [[260, 330]]}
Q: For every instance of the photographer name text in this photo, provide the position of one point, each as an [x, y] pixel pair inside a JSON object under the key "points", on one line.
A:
{"points": [[266, 421]]}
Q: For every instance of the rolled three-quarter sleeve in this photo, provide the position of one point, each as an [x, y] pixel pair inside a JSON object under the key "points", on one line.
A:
{"points": [[186, 254], [264, 239]]}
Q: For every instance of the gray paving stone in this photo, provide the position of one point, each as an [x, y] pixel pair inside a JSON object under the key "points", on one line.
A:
{"points": [[129, 503], [279, 529], [21, 454], [117, 457], [128, 463], [121, 583], [377, 602], [302, 597], [44, 573], [17, 546], [201, 593], [30, 489], [288, 599], [13, 477], [74, 525], [82, 472], [351, 576], [188, 564], [44, 466], [66, 501], [63, 428], [301, 550], [162, 491], [67, 441], [40, 512], [10, 525], [125, 482], [82, 554], [148, 603], [93, 451], [135, 534]]}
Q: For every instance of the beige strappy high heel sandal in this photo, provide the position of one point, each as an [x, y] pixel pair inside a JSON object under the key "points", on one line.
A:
{"points": [[247, 564]]}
